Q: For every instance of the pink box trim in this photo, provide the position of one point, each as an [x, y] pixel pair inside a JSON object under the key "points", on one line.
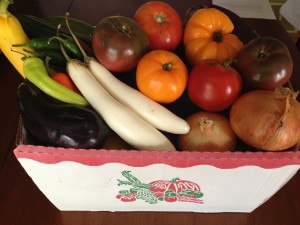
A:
{"points": [[93, 157]]}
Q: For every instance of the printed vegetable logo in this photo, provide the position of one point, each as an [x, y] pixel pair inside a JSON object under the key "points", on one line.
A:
{"points": [[176, 190]]}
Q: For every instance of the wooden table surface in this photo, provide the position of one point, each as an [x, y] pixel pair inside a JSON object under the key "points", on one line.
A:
{"points": [[21, 203]]}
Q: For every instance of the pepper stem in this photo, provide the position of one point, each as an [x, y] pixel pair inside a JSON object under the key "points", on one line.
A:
{"points": [[4, 5], [37, 54], [49, 70], [68, 58], [22, 53], [85, 56], [21, 45]]}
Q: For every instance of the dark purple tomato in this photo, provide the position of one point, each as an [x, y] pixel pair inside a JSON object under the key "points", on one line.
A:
{"points": [[264, 63], [118, 43]]}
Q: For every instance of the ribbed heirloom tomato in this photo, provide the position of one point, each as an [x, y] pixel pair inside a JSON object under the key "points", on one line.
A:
{"points": [[207, 35], [162, 24], [162, 76]]}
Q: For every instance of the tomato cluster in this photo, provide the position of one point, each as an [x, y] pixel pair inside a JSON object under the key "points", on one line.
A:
{"points": [[201, 57], [214, 64], [150, 41]]}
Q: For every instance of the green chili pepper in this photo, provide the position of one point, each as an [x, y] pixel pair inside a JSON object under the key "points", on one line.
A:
{"points": [[56, 56], [53, 44], [70, 46], [41, 44], [35, 71]]}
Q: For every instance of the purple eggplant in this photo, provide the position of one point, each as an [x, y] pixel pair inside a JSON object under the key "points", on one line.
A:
{"points": [[59, 124]]}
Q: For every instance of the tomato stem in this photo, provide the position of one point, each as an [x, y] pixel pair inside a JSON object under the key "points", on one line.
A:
{"points": [[123, 29], [217, 36], [262, 55], [160, 18], [167, 66], [227, 62]]}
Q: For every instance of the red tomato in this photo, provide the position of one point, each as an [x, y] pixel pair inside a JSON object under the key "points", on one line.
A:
{"points": [[162, 24], [213, 86]]}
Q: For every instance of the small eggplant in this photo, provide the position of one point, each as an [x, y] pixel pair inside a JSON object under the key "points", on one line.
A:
{"points": [[59, 124]]}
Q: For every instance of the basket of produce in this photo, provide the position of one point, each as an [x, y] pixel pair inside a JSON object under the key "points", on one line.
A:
{"points": [[154, 112]]}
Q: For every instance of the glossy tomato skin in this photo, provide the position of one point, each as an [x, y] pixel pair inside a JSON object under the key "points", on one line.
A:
{"points": [[162, 76], [162, 24], [264, 63], [118, 43], [212, 86], [208, 35]]}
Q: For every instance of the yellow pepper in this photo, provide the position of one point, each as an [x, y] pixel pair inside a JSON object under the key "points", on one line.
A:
{"points": [[11, 33]]}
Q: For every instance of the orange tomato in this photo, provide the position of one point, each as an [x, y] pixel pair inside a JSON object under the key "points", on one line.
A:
{"points": [[162, 76], [207, 35]]}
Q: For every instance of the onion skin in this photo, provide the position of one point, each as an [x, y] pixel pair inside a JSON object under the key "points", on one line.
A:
{"points": [[266, 120], [215, 135]]}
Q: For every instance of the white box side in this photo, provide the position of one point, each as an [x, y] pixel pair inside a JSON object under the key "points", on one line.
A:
{"points": [[72, 186]]}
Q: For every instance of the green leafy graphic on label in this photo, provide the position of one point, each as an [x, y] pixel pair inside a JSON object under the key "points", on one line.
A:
{"points": [[175, 190]]}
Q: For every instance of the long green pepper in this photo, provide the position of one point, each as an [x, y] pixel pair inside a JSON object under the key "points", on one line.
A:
{"points": [[35, 71], [41, 44], [44, 44]]}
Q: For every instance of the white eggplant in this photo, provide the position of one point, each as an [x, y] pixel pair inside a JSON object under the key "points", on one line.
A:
{"points": [[127, 124], [151, 111]]}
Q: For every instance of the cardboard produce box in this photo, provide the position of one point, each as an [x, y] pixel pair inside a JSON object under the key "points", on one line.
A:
{"points": [[111, 179], [131, 180]]}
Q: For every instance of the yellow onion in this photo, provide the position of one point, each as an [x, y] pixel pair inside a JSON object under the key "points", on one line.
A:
{"points": [[209, 131], [267, 120]]}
